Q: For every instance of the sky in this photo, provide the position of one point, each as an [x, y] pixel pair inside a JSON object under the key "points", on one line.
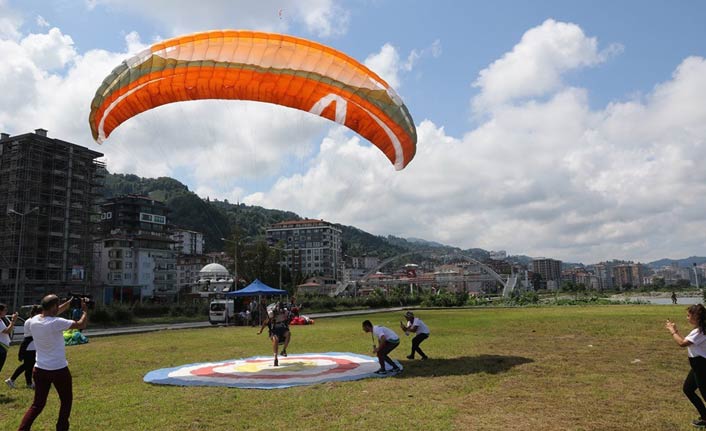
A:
{"points": [[571, 130]]}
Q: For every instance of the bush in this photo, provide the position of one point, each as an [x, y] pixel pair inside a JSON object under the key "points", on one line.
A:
{"points": [[122, 314], [445, 299], [100, 316], [150, 310]]}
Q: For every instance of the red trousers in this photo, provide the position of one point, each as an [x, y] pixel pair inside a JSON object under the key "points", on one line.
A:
{"points": [[43, 379]]}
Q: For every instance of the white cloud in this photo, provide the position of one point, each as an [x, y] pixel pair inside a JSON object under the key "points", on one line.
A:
{"points": [[323, 18], [535, 65], [211, 140], [388, 65], [434, 50], [41, 22], [233, 196], [52, 50], [545, 175]]}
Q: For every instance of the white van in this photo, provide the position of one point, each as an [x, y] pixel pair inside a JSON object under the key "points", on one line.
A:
{"points": [[221, 311]]}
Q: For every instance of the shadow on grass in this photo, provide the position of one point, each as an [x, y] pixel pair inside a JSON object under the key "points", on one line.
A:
{"points": [[464, 365], [4, 399]]}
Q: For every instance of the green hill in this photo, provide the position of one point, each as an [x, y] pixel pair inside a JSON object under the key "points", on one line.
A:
{"points": [[220, 219]]}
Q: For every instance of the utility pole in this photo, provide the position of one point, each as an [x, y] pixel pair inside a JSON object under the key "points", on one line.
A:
{"points": [[235, 260], [19, 255], [696, 276]]}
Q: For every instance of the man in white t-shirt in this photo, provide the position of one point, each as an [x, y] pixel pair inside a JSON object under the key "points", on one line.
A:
{"points": [[387, 342], [51, 366], [418, 327]]}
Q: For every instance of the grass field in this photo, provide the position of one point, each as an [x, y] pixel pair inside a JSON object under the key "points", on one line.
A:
{"points": [[551, 368]]}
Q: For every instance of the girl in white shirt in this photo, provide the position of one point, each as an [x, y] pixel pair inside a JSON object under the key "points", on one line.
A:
{"points": [[695, 344], [6, 327]]}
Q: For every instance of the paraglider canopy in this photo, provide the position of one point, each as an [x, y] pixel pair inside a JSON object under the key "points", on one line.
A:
{"points": [[256, 288], [262, 67]]}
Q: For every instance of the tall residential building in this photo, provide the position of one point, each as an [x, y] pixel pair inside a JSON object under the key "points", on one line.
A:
{"points": [[310, 248], [604, 272], [49, 191], [187, 242], [550, 270], [629, 274], [135, 257], [188, 267]]}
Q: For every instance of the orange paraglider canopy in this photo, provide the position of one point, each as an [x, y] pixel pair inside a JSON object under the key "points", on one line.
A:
{"points": [[264, 67]]}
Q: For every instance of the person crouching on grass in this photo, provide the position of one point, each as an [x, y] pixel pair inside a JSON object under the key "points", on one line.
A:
{"points": [[387, 342], [416, 326], [695, 344]]}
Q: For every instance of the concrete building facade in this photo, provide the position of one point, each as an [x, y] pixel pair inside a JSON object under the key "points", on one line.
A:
{"points": [[550, 270], [135, 256], [49, 195], [310, 248]]}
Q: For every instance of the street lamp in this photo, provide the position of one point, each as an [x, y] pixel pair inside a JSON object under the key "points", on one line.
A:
{"points": [[19, 253], [279, 261], [235, 260]]}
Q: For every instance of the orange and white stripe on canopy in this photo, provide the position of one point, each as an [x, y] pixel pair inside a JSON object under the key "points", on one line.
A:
{"points": [[264, 67]]}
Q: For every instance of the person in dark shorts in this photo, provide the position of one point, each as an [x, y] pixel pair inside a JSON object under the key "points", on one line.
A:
{"points": [[416, 326], [278, 324], [27, 355], [387, 342]]}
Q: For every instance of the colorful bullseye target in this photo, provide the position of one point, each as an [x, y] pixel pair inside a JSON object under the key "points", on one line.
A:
{"points": [[260, 373]]}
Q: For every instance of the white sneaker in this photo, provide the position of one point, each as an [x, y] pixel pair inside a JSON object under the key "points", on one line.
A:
{"points": [[30, 386], [10, 383]]}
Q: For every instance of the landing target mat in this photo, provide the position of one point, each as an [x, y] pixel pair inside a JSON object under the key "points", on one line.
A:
{"points": [[259, 372]]}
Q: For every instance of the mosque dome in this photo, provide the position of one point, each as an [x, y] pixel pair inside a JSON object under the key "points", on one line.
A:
{"points": [[213, 270]]}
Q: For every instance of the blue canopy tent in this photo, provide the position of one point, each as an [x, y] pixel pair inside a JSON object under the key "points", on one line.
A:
{"points": [[259, 289]]}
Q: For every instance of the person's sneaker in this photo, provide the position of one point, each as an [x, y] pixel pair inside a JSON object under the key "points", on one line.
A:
{"points": [[424, 358], [284, 353], [396, 370], [381, 371], [10, 383], [30, 386], [276, 363], [410, 356], [699, 423]]}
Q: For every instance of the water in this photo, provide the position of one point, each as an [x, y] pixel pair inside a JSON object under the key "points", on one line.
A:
{"points": [[687, 300]]}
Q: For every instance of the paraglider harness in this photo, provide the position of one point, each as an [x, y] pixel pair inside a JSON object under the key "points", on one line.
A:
{"points": [[278, 324]]}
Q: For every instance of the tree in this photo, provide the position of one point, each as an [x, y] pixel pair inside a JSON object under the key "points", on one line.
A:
{"points": [[682, 284]]}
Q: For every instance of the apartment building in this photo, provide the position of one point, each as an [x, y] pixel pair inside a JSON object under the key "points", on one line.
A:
{"points": [[49, 195]]}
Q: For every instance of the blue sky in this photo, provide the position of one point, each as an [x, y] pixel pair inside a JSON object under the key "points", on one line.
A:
{"points": [[564, 129]]}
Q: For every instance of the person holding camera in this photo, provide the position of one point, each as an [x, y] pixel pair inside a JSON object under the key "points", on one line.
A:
{"points": [[51, 367]]}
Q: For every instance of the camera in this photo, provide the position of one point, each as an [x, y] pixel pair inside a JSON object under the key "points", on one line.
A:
{"points": [[75, 302]]}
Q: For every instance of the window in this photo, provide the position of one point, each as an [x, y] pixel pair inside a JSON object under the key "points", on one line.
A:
{"points": [[153, 218]]}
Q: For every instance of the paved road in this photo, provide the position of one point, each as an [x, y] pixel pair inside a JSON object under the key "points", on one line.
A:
{"points": [[104, 332]]}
